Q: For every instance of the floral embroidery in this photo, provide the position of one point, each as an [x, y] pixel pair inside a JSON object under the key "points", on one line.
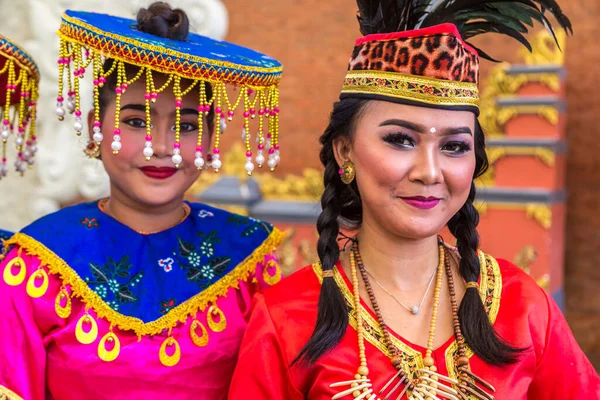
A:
{"points": [[205, 214], [89, 222], [107, 285], [167, 305], [206, 249], [166, 264], [194, 259], [254, 225], [202, 266], [208, 272]]}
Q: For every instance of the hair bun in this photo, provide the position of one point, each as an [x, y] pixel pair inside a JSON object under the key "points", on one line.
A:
{"points": [[161, 20]]}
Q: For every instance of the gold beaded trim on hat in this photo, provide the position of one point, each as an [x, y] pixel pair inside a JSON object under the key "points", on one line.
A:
{"points": [[411, 87], [15, 274], [260, 106], [18, 118]]}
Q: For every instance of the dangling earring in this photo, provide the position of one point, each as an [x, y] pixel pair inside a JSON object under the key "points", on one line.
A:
{"points": [[347, 172], [92, 150]]}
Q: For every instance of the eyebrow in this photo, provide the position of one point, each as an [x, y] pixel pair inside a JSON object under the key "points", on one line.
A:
{"points": [[422, 129], [142, 108]]}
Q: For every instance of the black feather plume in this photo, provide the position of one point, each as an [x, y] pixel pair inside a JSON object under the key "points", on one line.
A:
{"points": [[513, 18]]}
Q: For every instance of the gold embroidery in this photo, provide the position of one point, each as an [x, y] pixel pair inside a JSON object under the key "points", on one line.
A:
{"points": [[109, 355], [410, 87], [267, 277], [169, 360], [63, 311], [221, 323], [90, 336], [80, 289], [7, 394], [490, 290], [199, 341], [37, 291], [9, 278]]}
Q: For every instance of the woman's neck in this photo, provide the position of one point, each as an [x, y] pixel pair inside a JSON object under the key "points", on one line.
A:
{"points": [[145, 218], [403, 264]]}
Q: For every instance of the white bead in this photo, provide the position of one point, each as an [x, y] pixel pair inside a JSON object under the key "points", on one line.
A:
{"points": [[33, 149], [116, 145], [276, 152], [198, 154], [199, 162], [216, 156], [176, 151], [243, 133], [4, 134], [277, 159], [97, 136], [260, 159], [26, 154], [60, 111], [176, 159], [96, 129], [271, 163], [78, 126], [19, 141], [30, 161], [148, 152], [216, 163], [223, 125], [70, 105], [249, 167], [147, 144], [117, 138]]}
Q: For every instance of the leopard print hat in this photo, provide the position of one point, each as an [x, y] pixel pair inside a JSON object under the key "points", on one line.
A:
{"points": [[429, 63]]}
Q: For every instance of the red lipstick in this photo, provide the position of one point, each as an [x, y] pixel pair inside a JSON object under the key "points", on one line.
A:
{"points": [[420, 202], [158, 172]]}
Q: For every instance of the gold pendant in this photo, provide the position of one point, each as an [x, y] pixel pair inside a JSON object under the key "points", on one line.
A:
{"points": [[267, 277], [15, 280], [37, 291], [86, 337], [216, 326], [199, 341], [169, 360], [109, 355], [63, 311]]}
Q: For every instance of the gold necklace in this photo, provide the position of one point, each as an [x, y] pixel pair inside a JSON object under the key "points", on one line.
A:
{"points": [[428, 384]]}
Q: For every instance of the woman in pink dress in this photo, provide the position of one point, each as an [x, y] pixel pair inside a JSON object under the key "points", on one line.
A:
{"points": [[142, 295]]}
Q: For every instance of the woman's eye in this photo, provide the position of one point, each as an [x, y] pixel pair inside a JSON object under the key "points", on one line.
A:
{"points": [[185, 127], [399, 140], [135, 122], [456, 147]]}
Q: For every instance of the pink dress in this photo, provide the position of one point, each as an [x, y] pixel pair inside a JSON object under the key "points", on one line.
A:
{"points": [[123, 315]]}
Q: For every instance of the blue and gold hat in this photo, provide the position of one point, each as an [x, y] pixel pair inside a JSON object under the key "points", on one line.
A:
{"points": [[19, 78], [88, 39]]}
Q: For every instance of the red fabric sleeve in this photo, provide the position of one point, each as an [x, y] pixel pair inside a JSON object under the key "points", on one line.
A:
{"points": [[262, 369], [563, 371]]}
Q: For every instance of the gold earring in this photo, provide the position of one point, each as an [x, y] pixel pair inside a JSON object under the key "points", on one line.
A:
{"points": [[92, 150], [347, 172]]}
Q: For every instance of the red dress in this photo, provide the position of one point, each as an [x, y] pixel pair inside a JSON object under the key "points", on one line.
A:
{"points": [[553, 367]]}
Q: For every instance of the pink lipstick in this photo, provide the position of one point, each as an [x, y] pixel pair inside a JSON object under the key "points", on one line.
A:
{"points": [[422, 203]]}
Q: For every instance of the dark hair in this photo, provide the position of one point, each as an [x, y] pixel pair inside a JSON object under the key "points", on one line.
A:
{"points": [[159, 20], [342, 203]]}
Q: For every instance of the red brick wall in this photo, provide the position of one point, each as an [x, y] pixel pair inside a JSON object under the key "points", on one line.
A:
{"points": [[314, 39]]}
